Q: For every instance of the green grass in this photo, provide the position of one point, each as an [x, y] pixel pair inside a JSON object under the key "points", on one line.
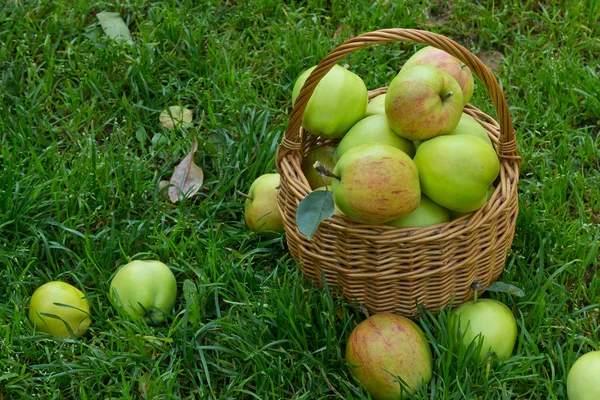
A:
{"points": [[79, 197]]}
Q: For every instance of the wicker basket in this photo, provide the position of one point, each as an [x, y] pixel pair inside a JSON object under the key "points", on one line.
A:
{"points": [[388, 269]]}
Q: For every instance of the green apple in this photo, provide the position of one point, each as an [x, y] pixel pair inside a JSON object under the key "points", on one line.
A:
{"points": [[490, 321], [583, 379], [376, 105], [428, 213], [377, 183], [325, 155], [338, 102], [456, 171], [59, 309], [144, 289], [439, 58], [374, 128], [423, 102], [386, 346], [469, 126], [261, 211], [458, 214]]}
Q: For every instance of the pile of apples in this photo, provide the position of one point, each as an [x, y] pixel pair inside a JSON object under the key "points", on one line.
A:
{"points": [[409, 157]]}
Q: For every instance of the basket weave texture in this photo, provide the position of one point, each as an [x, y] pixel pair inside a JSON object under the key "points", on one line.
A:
{"points": [[389, 269]]}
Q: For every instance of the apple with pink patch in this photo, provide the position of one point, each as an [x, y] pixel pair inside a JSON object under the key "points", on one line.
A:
{"points": [[423, 102], [439, 58], [384, 347]]}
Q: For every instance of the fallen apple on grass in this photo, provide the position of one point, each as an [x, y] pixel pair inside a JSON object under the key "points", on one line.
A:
{"points": [[59, 309], [423, 102], [490, 321], [144, 289], [430, 55], [583, 379], [387, 346], [338, 102], [261, 212]]}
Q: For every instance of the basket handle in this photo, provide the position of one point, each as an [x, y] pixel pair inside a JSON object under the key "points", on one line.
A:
{"points": [[507, 148]]}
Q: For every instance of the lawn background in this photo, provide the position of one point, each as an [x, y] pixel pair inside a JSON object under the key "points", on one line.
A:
{"points": [[79, 193]]}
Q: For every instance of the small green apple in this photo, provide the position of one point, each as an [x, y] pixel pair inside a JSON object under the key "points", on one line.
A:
{"points": [[377, 183], [492, 321], [423, 102], [323, 154], [144, 289], [373, 129], [456, 171], [56, 305], [469, 126], [376, 105], [583, 379], [439, 58], [338, 102], [386, 346], [261, 211], [428, 213]]}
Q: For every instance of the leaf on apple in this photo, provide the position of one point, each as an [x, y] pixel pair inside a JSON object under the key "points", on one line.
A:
{"points": [[114, 26], [187, 178], [499, 286], [314, 209]]}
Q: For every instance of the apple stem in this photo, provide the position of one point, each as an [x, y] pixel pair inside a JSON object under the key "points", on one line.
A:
{"points": [[476, 287], [323, 171], [244, 195], [444, 97]]}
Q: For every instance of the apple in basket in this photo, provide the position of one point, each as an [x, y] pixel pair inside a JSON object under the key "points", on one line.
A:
{"points": [[323, 154], [375, 183], [439, 58], [428, 213], [338, 102], [386, 348], [456, 171], [469, 126], [374, 128], [423, 102], [376, 105]]}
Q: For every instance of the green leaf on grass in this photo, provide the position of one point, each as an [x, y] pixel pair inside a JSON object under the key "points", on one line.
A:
{"points": [[114, 26], [499, 286], [192, 305], [312, 210]]}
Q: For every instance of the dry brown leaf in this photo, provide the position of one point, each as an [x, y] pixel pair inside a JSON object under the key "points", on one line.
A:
{"points": [[340, 30], [492, 59], [187, 178]]}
